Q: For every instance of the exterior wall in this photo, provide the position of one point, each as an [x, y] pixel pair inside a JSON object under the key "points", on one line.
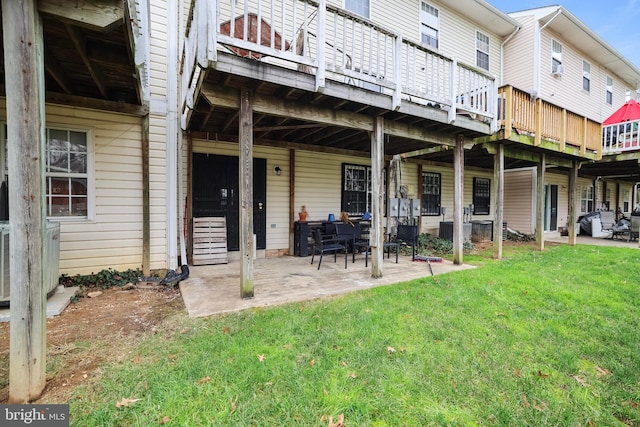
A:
{"points": [[277, 187], [112, 237], [562, 181], [457, 34], [519, 203], [567, 90], [158, 134], [518, 54]]}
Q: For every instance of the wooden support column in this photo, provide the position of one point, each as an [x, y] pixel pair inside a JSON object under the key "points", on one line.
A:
{"points": [[246, 193], [377, 202], [24, 85], [146, 216], [292, 199], [498, 178], [458, 200], [573, 203], [540, 202]]}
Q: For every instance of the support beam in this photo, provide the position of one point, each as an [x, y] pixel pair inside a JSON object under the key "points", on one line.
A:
{"points": [[573, 203], [96, 73], [498, 216], [245, 181], [458, 201], [24, 83], [377, 202], [542, 166], [99, 15], [146, 200], [292, 199]]}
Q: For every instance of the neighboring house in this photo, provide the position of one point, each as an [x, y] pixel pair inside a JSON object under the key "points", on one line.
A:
{"points": [[557, 61]]}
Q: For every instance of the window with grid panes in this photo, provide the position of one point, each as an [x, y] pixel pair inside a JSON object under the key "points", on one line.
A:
{"points": [[431, 187], [429, 25], [556, 56], [586, 199], [66, 173], [482, 50], [481, 196], [609, 92], [356, 189]]}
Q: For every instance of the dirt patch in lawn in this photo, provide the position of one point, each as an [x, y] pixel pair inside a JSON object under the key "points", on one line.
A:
{"points": [[92, 332]]}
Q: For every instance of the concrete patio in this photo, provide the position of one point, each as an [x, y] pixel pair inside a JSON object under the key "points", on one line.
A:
{"points": [[215, 289]]}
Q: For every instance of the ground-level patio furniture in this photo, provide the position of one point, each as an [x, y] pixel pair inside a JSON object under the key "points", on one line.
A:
{"points": [[327, 244], [635, 228]]}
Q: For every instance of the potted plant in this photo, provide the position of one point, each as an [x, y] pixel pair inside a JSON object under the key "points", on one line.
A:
{"points": [[303, 213]]}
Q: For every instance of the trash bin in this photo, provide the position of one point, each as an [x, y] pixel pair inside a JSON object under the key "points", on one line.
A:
{"points": [[481, 231]]}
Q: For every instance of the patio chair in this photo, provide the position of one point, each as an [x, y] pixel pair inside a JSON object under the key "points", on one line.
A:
{"points": [[327, 244], [407, 235], [634, 232], [351, 236]]}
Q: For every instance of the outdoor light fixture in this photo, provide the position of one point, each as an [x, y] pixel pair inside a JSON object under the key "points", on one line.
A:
{"points": [[277, 170]]}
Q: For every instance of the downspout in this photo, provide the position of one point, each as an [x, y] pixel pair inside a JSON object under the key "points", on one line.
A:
{"points": [[172, 135], [536, 50], [502, 53], [182, 229]]}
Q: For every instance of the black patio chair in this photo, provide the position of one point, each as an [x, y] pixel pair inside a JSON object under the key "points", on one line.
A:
{"points": [[407, 235], [327, 244]]}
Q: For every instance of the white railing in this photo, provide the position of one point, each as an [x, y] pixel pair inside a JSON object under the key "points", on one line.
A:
{"points": [[621, 137], [332, 43], [139, 22]]}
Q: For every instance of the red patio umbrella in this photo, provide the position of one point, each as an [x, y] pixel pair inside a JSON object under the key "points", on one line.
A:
{"points": [[629, 111]]}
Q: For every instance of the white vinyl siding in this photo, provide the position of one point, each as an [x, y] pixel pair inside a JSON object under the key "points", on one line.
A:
{"points": [[112, 238], [519, 57], [519, 204]]}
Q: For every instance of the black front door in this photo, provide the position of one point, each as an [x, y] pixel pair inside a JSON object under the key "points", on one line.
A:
{"points": [[215, 193]]}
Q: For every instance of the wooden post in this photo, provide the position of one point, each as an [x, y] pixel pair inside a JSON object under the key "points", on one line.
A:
{"points": [[498, 178], [540, 202], [146, 216], [292, 199], [246, 193], [24, 85], [508, 113], [573, 203], [537, 139], [458, 200], [377, 202]]}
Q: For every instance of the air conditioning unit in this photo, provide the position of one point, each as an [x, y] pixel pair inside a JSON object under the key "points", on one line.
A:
{"points": [[559, 71]]}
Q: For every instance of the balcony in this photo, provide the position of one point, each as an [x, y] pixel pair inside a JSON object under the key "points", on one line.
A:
{"points": [[536, 122], [619, 138], [333, 46]]}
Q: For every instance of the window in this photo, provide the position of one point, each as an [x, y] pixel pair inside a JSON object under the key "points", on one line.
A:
{"points": [[586, 199], [66, 173], [429, 25], [482, 50], [609, 93], [586, 76], [481, 196], [356, 189], [361, 7], [431, 185], [556, 58]]}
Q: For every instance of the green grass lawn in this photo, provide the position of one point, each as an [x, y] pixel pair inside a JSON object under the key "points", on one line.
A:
{"points": [[536, 339]]}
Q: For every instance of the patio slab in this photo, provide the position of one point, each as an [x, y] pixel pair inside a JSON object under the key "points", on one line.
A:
{"points": [[55, 304], [215, 289]]}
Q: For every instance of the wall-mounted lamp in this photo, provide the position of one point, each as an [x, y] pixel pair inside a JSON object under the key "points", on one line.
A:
{"points": [[277, 170]]}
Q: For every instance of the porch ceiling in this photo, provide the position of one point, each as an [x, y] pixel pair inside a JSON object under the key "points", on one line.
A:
{"points": [[87, 55]]}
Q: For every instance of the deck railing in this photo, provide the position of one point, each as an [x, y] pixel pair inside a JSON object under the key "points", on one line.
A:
{"points": [[523, 114], [621, 137], [331, 43]]}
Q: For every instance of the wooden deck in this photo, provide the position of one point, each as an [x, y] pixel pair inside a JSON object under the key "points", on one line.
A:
{"points": [[215, 289]]}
